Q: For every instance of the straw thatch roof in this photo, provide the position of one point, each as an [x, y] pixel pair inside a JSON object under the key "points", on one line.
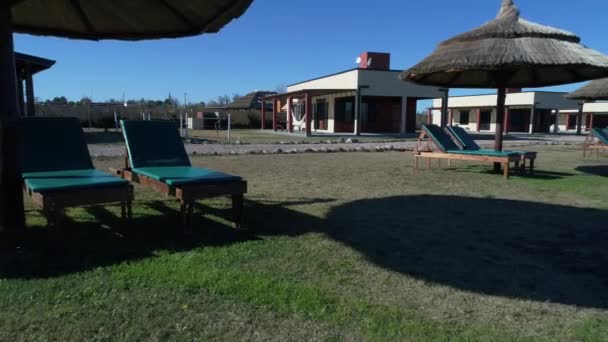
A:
{"points": [[124, 20], [510, 52], [594, 90], [251, 101]]}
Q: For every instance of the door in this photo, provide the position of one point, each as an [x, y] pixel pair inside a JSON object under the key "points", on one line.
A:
{"points": [[345, 115], [485, 120]]}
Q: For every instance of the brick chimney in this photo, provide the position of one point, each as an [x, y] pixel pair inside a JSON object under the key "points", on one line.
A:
{"points": [[375, 61]]}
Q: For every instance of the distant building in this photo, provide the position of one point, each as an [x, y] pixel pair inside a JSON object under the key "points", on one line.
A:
{"points": [[368, 99], [595, 114], [27, 66], [526, 112]]}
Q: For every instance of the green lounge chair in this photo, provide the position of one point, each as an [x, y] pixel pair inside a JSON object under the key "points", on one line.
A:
{"points": [[156, 157], [597, 140], [466, 142], [447, 149], [58, 172]]}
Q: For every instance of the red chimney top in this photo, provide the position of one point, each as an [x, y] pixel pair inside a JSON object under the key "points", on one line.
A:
{"points": [[375, 61]]}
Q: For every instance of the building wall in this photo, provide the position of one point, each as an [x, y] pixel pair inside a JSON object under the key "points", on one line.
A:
{"points": [[554, 101], [331, 100], [345, 80], [481, 101]]}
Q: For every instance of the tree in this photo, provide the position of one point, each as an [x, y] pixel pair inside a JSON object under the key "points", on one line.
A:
{"points": [[223, 100], [281, 89], [60, 100], [236, 96]]}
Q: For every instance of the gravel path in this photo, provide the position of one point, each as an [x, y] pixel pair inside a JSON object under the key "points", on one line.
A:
{"points": [[113, 150]]}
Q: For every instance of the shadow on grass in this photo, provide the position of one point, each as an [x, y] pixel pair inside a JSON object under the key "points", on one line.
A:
{"points": [[596, 170], [506, 248], [503, 248], [81, 246], [538, 173]]}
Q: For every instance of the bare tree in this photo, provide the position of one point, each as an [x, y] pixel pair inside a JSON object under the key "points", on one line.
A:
{"points": [[281, 89]]}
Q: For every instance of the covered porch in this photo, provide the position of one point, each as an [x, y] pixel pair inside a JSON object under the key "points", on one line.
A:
{"points": [[340, 111], [27, 66]]}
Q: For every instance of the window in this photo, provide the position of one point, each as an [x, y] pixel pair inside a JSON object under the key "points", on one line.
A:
{"points": [[345, 110], [299, 111], [464, 117]]}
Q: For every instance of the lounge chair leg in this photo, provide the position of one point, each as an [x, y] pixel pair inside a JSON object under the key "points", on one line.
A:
{"points": [[123, 210], [531, 166], [237, 210]]}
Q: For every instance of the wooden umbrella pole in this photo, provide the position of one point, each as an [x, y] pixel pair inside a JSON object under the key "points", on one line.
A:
{"points": [[500, 117], [11, 198]]}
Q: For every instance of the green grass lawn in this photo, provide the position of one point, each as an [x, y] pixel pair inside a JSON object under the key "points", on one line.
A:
{"points": [[246, 136], [350, 246]]}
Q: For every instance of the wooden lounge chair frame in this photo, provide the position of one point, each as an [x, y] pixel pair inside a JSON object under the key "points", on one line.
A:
{"points": [[54, 203], [528, 155], [424, 150], [593, 143], [187, 194]]}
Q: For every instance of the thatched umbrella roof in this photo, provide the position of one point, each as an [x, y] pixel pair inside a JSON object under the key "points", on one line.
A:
{"points": [[510, 52], [124, 20], [86, 19], [593, 91]]}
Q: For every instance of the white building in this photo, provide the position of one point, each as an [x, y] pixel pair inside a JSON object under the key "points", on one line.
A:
{"points": [[526, 112], [368, 99], [594, 115]]}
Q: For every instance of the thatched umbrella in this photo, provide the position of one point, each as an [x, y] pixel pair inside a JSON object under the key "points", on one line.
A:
{"points": [[509, 52], [593, 91], [87, 19]]}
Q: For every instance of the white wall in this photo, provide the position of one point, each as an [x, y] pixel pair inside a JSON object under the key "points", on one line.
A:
{"points": [[387, 83], [345, 80], [480, 101], [596, 107]]}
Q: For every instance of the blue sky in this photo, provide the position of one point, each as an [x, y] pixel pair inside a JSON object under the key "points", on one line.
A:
{"points": [[282, 42]]}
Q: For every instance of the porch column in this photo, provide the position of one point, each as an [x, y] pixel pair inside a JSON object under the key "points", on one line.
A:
{"points": [[263, 116], [308, 114], [556, 124], [590, 122], [403, 128], [532, 114], [274, 115], [478, 119], [289, 115], [29, 87]]}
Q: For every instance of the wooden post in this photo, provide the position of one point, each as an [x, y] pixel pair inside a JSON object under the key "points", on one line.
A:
{"points": [[29, 88], [591, 122], [274, 115], [451, 117], [579, 118], [506, 125], [308, 114], [429, 116], [289, 114], [500, 111], [21, 93], [11, 198], [478, 119], [263, 116], [444, 107]]}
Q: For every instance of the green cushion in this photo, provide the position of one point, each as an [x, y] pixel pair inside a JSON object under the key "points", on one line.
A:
{"points": [[488, 153], [441, 139], [180, 175], [71, 179], [52, 144], [463, 137], [154, 144], [601, 134]]}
